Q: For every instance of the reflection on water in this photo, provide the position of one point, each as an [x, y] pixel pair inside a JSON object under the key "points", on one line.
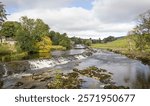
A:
{"points": [[14, 57], [126, 71], [68, 52]]}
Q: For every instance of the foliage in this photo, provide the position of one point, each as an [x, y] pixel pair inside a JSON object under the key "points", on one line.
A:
{"points": [[5, 49], [94, 41], [62, 81], [32, 35], [109, 39], [77, 40], [126, 46], [60, 39], [88, 42], [65, 42], [142, 32], [57, 47], [54, 37], [2, 13], [10, 28], [44, 46]]}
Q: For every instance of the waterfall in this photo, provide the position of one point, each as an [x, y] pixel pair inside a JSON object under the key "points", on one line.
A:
{"points": [[6, 71], [48, 63]]}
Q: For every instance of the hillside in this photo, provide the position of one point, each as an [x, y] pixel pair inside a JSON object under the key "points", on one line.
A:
{"points": [[126, 47], [121, 43]]}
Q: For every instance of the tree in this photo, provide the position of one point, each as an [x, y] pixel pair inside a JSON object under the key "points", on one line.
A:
{"points": [[65, 42], [88, 42], [44, 45], [60, 39], [109, 39], [10, 28], [77, 40], [94, 41], [32, 36], [142, 31], [2, 13]]}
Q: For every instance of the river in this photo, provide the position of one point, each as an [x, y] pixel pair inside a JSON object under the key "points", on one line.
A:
{"points": [[126, 71]]}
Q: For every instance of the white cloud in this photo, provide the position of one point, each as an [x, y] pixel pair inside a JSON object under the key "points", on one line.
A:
{"points": [[107, 17], [32, 4], [119, 11]]}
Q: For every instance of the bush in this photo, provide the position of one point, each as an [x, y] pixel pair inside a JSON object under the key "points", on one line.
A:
{"points": [[5, 49]]}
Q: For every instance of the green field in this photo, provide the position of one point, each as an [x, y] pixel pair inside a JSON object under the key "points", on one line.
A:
{"points": [[123, 46], [117, 44]]}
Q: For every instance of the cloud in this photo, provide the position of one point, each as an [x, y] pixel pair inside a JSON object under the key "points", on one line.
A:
{"points": [[72, 19], [119, 11], [32, 4], [105, 18]]}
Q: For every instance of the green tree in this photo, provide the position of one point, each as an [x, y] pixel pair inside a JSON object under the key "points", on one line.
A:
{"points": [[55, 37], [109, 39], [65, 42], [77, 40], [142, 31], [60, 39], [88, 42], [10, 28], [32, 35]]}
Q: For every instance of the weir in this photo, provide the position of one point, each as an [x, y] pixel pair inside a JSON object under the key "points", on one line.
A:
{"points": [[48, 63]]}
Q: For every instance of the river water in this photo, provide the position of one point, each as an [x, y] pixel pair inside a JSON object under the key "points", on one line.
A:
{"points": [[126, 72]]}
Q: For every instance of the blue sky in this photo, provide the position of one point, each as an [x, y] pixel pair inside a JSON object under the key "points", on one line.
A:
{"points": [[87, 4], [82, 18]]}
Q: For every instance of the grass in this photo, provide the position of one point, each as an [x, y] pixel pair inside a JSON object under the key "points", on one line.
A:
{"points": [[117, 44], [122, 46], [13, 56], [57, 47], [5, 49]]}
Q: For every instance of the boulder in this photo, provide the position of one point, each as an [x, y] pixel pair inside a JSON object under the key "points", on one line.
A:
{"points": [[1, 84], [2, 72], [17, 67]]}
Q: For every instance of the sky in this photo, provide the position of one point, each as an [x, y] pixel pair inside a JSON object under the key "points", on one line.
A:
{"points": [[81, 18]]}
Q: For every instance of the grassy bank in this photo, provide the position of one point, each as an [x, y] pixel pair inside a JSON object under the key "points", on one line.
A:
{"points": [[6, 49], [122, 46], [57, 47]]}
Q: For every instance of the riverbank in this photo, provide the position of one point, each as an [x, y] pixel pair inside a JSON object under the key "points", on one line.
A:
{"points": [[121, 46], [142, 56]]}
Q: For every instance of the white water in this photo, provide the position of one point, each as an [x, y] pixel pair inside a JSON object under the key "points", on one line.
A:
{"points": [[48, 63], [6, 71], [80, 57]]}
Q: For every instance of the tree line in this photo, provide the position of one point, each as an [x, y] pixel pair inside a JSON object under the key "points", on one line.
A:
{"points": [[33, 35]]}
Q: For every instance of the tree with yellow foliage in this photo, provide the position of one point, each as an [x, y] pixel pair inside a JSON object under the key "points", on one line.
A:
{"points": [[44, 46]]}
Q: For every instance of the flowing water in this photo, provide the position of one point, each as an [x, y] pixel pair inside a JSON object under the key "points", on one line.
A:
{"points": [[126, 72]]}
